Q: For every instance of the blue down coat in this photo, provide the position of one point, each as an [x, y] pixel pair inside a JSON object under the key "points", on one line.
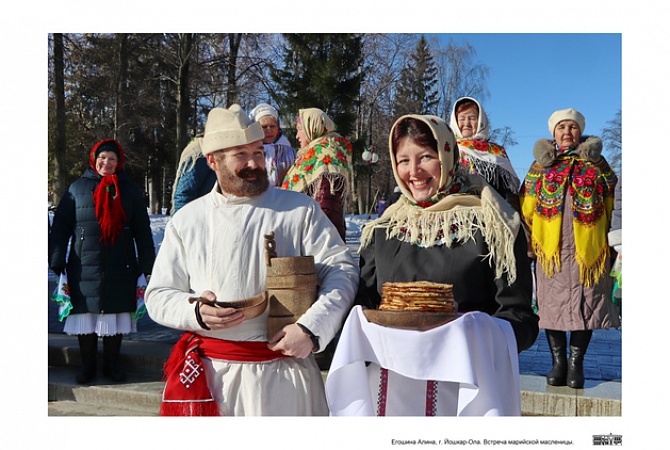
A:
{"points": [[102, 278]]}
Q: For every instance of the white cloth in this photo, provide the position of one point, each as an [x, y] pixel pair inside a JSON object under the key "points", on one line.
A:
{"points": [[216, 243], [473, 359]]}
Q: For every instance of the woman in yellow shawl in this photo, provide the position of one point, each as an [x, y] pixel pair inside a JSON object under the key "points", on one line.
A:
{"points": [[566, 202], [322, 166]]}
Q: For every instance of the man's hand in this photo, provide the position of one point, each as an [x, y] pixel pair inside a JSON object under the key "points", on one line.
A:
{"points": [[219, 318], [292, 341]]}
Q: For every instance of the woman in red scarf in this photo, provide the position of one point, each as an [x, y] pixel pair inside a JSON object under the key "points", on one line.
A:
{"points": [[101, 238]]}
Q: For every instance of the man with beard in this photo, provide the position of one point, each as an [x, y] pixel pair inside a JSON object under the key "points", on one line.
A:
{"points": [[213, 251]]}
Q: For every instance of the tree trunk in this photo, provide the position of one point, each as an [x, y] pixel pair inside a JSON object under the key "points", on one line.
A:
{"points": [[60, 142], [183, 104], [120, 116], [234, 40]]}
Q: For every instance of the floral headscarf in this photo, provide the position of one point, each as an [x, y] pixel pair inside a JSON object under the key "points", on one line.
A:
{"points": [[482, 157], [463, 205], [327, 155]]}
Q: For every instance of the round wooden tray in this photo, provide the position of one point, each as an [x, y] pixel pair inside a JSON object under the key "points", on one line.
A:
{"points": [[408, 320]]}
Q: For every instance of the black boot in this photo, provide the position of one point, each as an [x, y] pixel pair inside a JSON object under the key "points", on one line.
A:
{"points": [[88, 348], [111, 347], [557, 344], [579, 342]]}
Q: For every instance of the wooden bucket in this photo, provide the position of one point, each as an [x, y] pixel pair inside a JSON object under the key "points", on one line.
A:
{"points": [[291, 288]]}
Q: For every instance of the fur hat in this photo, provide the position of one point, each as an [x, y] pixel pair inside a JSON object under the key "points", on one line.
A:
{"points": [[230, 127], [261, 110], [566, 114]]}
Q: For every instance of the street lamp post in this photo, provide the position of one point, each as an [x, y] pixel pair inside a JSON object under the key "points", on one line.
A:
{"points": [[371, 157]]}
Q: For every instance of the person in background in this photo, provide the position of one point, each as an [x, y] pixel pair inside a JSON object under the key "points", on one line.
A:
{"points": [[382, 205], [614, 240], [440, 228], [279, 155], [480, 156], [323, 165], [102, 232], [322, 170], [395, 196], [566, 202], [214, 251], [194, 177]]}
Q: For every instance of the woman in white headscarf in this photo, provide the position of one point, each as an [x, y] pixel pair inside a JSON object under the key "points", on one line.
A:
{"points": [[478, 154], [279, 155], [448, 227], [566, 201]]}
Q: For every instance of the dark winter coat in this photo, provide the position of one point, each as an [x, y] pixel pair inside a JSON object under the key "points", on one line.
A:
{"points": [[102, 278], [474, 285]]}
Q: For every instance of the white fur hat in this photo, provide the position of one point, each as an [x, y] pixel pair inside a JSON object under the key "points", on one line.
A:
{"points": [[566, 114], [262, 110], [227, 128]]}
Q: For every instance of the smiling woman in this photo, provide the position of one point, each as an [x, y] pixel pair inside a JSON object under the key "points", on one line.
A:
{"points": [[438, 232], [440, 227], [419, 168], [567, 201], [111, 247]]}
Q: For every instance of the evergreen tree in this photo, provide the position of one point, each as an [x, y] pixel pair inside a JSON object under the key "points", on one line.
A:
{"points": [[320, 71], [416, 92]]}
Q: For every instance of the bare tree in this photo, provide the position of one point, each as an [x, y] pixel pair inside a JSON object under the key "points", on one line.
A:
{"points": [[503, 136], [384, 55], [612, 142], [459, 73]]}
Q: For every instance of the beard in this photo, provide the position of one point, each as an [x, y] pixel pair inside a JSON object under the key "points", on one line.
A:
{"points": [[239, 183]]}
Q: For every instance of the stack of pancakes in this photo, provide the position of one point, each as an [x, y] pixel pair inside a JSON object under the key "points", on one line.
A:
{"points": [[418, 296]]}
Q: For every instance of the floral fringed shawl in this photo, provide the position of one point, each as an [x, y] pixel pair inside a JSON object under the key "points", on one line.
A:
{"points": [[591, 187], [490, 161], [328, 155]]}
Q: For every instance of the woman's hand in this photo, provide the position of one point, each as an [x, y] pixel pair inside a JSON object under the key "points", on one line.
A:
{"points": [[292, 341], [217, 318]]}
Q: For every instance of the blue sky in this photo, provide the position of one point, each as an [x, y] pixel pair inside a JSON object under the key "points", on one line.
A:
{"points": [[532, 75]]}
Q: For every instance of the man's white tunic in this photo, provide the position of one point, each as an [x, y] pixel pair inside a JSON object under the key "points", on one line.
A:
{"points": [[216, 243]]}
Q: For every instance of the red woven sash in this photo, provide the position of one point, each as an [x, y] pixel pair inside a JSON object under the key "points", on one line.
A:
{"points": [[186, 392]]}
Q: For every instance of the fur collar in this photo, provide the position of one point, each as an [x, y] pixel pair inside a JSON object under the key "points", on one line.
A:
{"points": [[589, 148]]}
